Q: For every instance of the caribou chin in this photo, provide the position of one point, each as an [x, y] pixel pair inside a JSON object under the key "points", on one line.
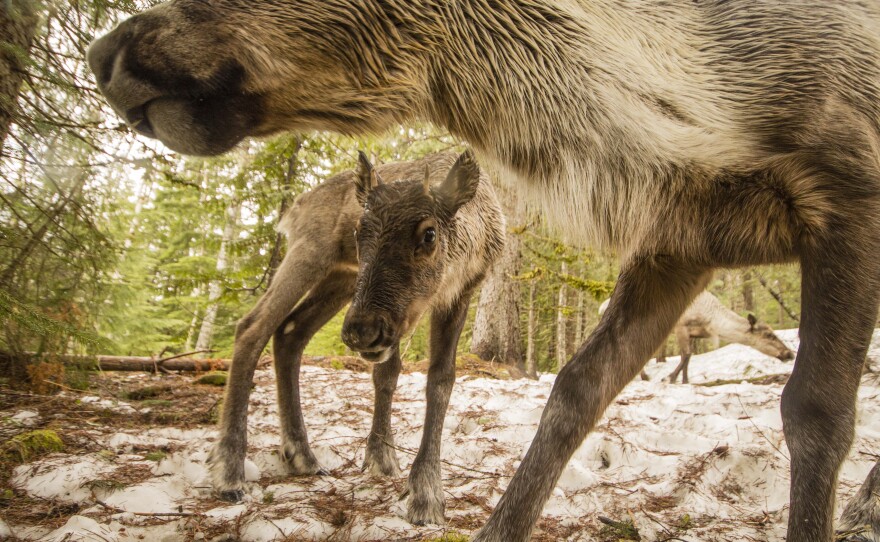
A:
{"points": [[378, 357]]}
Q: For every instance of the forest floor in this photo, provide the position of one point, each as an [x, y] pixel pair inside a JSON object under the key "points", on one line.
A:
{"points": [[699, 462]]}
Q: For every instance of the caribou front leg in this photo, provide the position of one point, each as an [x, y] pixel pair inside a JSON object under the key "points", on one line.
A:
{"points": [[425, 486], [380, 458], [651, 294], [840, 286]]}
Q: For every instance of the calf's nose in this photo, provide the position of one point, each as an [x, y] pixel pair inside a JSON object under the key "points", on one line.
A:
{"points": [[363, 332]]}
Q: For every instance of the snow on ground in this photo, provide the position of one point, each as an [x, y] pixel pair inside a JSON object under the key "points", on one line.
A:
{"points": [[696, 462]]}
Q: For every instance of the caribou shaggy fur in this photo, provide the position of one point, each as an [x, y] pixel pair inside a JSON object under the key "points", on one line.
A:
{"points": [[685, 135]]}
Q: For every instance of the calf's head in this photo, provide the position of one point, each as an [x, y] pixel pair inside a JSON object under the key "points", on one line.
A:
{"points": [[763, 339], [405, 239], [200, 75]]}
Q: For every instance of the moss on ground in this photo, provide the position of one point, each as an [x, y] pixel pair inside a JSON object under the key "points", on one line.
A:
{"points": [[27, 446], [213, 379]]}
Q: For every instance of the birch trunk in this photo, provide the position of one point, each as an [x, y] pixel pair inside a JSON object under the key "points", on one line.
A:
{"points": [[215, 288]]}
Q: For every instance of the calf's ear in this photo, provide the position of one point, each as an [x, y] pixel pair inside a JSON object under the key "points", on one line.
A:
{"points": [[365, 179], [461, 182]]}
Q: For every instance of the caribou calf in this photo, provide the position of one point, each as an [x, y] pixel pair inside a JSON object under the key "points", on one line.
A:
{"points": [[420, 248], [318, 276]]}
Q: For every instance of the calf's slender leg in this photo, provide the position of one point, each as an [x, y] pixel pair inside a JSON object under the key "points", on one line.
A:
{"points": [[651, 294], [840, 290], [291, 338], [300, 270], [426, 504], [381, 459]]}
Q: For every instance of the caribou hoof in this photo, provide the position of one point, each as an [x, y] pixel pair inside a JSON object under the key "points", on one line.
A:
{"points": [[381, 460], [227, 474], [426, 508], [300, 461]]}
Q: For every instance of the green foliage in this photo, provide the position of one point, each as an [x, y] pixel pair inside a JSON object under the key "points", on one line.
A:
{"points": [[156, 456], [450, 536], [618, 530]]}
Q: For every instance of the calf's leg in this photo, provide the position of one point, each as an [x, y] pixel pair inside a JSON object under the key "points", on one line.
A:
{"points": [[651, 294], [300, 270], [425, 486], [291, 338], [381, 459]]}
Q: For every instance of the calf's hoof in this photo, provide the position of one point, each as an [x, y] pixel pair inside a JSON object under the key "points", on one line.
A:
{"points": [[300, 461]]}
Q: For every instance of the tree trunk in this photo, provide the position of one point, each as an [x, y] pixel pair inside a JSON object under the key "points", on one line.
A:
{"points": [[496, 330], [748, 293], [191, 332], [128, 363], [18, 23], [215, 288], [561, 350], [496, 333], [579, 323], [531, 364]]}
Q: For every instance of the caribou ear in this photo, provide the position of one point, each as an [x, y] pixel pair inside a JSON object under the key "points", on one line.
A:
{"points": [[461, 182], [752, 320], [366, 178], [426, 182]]}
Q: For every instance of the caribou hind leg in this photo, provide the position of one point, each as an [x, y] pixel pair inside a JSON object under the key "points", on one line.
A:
{"points": [[303, 266], [651, 294], [291, 338], [380, 458], [840, 287], [425, 487]]}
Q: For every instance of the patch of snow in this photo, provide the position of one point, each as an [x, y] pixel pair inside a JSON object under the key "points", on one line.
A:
{"points": [[82, 529], [61, 478], [5, 530], [25, 418]]}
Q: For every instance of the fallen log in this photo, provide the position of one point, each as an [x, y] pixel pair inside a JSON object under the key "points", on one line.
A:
{"points": [[128, 363]]}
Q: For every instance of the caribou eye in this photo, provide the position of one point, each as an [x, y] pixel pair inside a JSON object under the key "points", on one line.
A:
{"points": [[430, 236]]}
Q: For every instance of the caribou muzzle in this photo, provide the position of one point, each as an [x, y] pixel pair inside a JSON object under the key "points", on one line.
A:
{"points": [[201, 114], [370, 335]]}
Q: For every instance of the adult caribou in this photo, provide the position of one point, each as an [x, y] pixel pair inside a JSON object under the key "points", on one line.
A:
{"points": [[683, 135]]}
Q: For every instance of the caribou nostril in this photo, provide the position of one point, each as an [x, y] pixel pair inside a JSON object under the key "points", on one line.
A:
{"points": [[379, 336], [363, 333]]}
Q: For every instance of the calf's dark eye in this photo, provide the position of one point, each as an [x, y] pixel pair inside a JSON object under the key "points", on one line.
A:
{"points": [[430, 236]]}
